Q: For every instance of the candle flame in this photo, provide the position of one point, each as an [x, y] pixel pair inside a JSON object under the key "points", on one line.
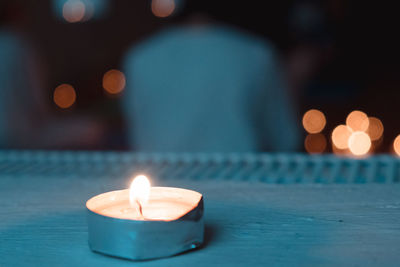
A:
{"points": [[139, 191]]}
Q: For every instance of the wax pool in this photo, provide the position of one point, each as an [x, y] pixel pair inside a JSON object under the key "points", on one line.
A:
{"points": [[164, 204]]}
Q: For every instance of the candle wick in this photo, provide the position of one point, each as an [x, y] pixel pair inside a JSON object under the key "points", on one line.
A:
{"points": [[140, 208]]}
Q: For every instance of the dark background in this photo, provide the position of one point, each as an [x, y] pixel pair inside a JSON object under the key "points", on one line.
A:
{"points": [[349, 54]]}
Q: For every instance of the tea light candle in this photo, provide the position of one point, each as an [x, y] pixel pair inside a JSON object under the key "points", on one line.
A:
{"points": [[145, 222]]}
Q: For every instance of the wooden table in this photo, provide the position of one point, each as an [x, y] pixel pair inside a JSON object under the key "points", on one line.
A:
{"points": [[249, 222]]}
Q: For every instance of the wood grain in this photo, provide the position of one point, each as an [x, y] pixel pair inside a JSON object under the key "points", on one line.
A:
{"points": [[248, 223]]}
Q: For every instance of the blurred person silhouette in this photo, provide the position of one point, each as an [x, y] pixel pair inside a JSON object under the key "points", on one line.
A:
{"points": [[204, 86], [18, 80], [26, 120]]}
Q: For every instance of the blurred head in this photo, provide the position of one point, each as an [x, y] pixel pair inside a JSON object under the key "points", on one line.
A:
{"points": [[265, 17]]}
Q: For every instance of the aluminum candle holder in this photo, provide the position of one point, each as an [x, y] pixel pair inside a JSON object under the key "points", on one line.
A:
{"points": [[146, 238]]}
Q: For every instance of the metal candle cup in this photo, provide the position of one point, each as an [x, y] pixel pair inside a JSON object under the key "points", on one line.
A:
{"points": [[171, 222]]}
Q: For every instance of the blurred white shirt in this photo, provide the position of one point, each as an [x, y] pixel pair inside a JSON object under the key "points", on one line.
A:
{"points": [[207, 89]]}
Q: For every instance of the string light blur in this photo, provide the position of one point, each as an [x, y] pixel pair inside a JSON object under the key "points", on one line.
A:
{"points": [[114, 81], [375, 128], [359, 143], [314, 121], [340, 136], [396, 145], [64, 96], [162, 8], [357, 121], [73, 11], [315, 143]]}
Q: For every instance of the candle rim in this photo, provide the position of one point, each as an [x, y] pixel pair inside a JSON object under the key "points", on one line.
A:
{"points": [[89, 204]]}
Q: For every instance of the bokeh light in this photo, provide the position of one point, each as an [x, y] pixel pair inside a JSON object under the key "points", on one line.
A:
{"points": [[396, 145], [315, 143], [375, 128], [114, 81], [359, 143], [73, 11], [162, 8], [357, 121], [64, 96], [314, 121], [340, 136]]}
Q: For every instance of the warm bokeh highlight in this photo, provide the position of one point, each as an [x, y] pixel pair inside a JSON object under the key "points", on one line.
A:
{"points": [[340, 136], [74, 11], [359, 143], [162, 8], [114, 81], [315, 143], [375, 128], [314, 121], [64, 96], [396, 145], [357, 121]]}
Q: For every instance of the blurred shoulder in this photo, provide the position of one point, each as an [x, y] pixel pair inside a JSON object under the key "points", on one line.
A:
{"points": [[150, 45], [176, 37]]}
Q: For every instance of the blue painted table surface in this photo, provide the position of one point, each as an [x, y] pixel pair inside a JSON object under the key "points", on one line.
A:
{"points": [[277, 210]]}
